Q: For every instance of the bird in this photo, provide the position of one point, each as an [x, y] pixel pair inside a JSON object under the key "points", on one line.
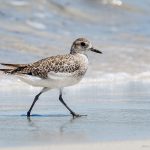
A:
{"points": [[55, 72]]}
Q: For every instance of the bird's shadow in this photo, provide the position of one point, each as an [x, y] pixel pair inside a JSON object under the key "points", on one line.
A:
{"points": [[45, 115], [65, 121], [63, 125]]}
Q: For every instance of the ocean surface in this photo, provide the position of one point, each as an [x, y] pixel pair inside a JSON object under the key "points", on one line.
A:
{"points": [[115, 93]]}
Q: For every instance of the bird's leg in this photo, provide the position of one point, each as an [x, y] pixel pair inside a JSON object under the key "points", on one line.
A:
{"points": [[35, 99], [62, 101]]}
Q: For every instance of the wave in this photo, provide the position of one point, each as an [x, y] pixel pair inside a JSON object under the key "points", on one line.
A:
{"points": [[10, 82], [118, 78]]}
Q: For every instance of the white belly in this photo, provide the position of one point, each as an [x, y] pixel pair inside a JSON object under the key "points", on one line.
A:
{"points": [[53, 81]]}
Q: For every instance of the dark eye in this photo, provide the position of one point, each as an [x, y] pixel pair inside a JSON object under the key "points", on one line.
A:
{"points": [[83, 44]]}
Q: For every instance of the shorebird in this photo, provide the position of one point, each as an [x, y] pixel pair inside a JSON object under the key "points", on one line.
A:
{"points": [[56, 71]]}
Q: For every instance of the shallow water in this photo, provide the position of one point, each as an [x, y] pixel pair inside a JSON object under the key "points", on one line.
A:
{"points": [[115, 112]]}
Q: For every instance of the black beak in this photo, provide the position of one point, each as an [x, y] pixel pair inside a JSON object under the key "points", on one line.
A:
{"points": [[95, 50]]}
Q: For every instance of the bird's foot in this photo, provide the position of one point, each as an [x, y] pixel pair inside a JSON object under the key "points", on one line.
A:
{"points": [[28, 114], [74, 115]]}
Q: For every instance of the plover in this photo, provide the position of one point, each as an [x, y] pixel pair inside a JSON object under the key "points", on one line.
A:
{"points": [[56, 71]]}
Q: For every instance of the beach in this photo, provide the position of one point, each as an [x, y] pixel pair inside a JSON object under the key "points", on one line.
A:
{"points": [[130, 145]]}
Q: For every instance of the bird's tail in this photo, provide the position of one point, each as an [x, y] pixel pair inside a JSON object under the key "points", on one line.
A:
{"points": [[6, 70], [13, 68], [13, 65]]}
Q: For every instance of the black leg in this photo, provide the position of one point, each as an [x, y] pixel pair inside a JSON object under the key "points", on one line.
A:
{"points": [[35, 99], [62, 101]]}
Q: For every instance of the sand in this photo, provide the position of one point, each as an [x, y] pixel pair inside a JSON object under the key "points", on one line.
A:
{"points": [[123, 145]]}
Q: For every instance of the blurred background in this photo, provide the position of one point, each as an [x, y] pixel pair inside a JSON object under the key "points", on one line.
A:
{"points": [[33, 29]]}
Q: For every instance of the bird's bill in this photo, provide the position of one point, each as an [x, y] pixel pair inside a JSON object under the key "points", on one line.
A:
{"points": [[95, 50]]}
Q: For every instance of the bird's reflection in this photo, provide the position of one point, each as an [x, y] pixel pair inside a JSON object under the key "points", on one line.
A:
{"points": [[32, 122], [66, 124]]}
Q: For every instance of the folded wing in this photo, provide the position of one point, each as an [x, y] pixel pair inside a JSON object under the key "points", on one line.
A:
{"points": [[41, 68]]}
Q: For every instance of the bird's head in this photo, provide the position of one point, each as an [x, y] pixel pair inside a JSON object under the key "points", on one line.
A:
{"points": [[82, 45]]}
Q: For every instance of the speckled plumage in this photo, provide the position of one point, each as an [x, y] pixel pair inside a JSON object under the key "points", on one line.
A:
{"points": [[62, 63]]}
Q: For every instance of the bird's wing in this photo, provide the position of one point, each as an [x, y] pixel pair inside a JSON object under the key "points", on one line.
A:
{"points": [[54, 64]]}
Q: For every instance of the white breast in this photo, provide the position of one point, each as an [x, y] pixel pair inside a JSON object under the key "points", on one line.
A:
{"points": [[84, 59], [83, 64]]}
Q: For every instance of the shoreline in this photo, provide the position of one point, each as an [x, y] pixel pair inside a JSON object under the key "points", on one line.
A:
{"points": [[117, 145]]}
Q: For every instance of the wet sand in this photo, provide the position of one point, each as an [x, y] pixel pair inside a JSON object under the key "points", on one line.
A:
{"points": [[126, 145]]}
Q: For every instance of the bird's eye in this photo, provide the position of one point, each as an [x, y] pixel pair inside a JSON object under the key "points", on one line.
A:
{"points": [[83, 44]]}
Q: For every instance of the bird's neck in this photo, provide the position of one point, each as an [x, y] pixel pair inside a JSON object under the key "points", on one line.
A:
{"points": [[74, 52], [79, 54]]}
